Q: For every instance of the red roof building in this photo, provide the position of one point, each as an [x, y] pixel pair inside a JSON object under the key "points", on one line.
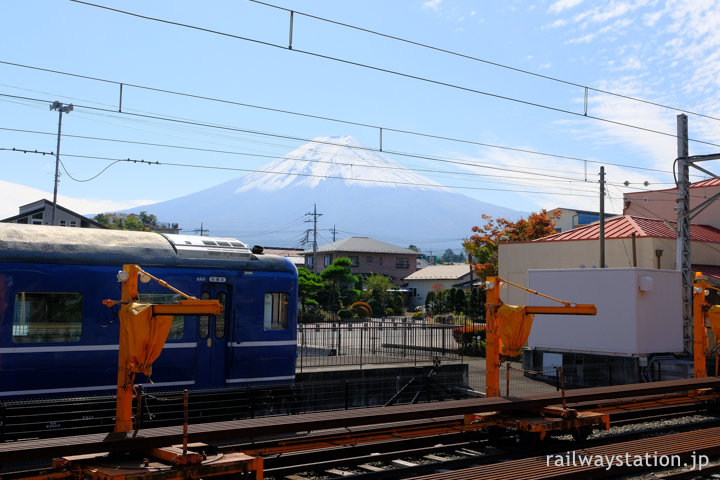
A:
{"points": [[660, 204], [653, 246], [624, 226]]}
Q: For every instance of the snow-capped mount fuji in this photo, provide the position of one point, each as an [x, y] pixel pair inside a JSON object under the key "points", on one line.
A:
{"points": [[332, 159], [356, 189]]}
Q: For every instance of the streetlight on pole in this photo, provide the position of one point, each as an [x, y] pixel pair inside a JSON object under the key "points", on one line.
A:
{"points": [[61, 108]]}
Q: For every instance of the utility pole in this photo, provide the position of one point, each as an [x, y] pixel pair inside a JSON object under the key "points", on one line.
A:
{"points": [[682, 251], [334, 232], [201, 230], [315, 216], [602, 217], [61, 108], [685, 214]]}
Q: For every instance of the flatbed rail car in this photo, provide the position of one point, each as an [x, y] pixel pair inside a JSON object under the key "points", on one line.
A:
{"points": [[57, 339]]}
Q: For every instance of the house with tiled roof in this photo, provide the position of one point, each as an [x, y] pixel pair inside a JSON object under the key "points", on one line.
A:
{"points": [[41, 213], [368, 256], [436, 277], [630, 241]]}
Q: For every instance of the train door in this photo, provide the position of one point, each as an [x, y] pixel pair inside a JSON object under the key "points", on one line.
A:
{"points": [[212, 335]]}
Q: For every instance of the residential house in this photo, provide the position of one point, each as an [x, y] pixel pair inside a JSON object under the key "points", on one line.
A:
{"points": [[295, 255], [368, 256], [41, 212], [653, 246], [639, 253], [436, 278], [571, 218], [661, 204]]}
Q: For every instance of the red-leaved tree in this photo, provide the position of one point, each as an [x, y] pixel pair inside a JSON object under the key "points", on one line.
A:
{"points": [[483, 244]]}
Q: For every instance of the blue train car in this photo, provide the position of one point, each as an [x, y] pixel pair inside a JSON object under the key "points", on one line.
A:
{"points": [[57, 339]]}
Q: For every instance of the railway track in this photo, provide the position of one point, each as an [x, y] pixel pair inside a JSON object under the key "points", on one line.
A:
{"points": [[57, 417], [407, 458], [371, 442], [50, 418], [400, 451]]}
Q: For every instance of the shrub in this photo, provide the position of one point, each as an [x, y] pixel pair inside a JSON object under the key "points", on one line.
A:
{"points": [[465, 334], [475, 349], [376, 307], [361, 309], [344, 314]]}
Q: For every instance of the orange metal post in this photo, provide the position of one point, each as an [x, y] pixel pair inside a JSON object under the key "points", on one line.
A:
{"points": [[492, 347], [126, 373], [123, 403], [700, 339]]}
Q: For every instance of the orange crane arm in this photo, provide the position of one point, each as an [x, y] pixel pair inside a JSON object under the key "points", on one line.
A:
{"points": [[143, 332], [493, 304]]}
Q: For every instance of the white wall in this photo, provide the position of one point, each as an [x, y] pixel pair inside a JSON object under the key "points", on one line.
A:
{"points": [[629, 321], [424, 286]]}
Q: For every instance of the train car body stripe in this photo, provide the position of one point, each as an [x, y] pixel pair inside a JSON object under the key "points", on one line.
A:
{"points": [[261, 379], [278, 343], [82, 348], [85, 389]]}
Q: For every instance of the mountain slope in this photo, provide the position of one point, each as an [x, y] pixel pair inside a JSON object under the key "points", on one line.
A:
{"points": [[358, 191]]}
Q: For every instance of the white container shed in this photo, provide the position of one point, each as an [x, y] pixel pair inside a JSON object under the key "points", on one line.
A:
{"points": [[638, 311]]}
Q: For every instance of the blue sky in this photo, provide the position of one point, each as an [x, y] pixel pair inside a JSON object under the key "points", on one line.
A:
{"points": [[665, 52]]}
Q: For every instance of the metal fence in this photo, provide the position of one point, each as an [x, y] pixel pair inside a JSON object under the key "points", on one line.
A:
{"points": [[376, 341]]}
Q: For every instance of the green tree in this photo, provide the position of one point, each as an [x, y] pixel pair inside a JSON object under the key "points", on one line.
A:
{"points": [[149, 220], [383, 296], [430, 302], [439, 306], [476, 304], [396, 303], [128, 221], [378, 286], [458, 300], [309, 285], [132, 222], [451, 257], [337, 277]]}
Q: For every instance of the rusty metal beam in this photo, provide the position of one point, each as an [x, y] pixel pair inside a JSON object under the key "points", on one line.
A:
{"points": [[584, 309], [688, 446], [253, 429]]}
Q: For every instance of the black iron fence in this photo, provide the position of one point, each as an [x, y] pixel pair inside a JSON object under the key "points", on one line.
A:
{"points": [[375, 341]]}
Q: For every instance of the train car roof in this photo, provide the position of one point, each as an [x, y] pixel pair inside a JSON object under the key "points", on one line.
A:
{"points": [[92, 246]]}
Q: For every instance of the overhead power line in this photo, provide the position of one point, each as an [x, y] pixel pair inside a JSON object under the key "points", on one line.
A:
{"points": [[396, 73], [311, 175], [318, 117], [290, 137], [485, 61]]}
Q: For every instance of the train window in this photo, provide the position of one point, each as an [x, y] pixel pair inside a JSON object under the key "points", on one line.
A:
{"points": [[204, 320], [276, 311], [177, 330], [220, 321], [47, 317]]}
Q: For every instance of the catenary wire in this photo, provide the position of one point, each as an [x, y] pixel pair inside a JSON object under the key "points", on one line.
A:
{"points": [[488, 62], [297, 174], [551, 178], [347, 122], [394, 72], [405, 154], [274, 135]]}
